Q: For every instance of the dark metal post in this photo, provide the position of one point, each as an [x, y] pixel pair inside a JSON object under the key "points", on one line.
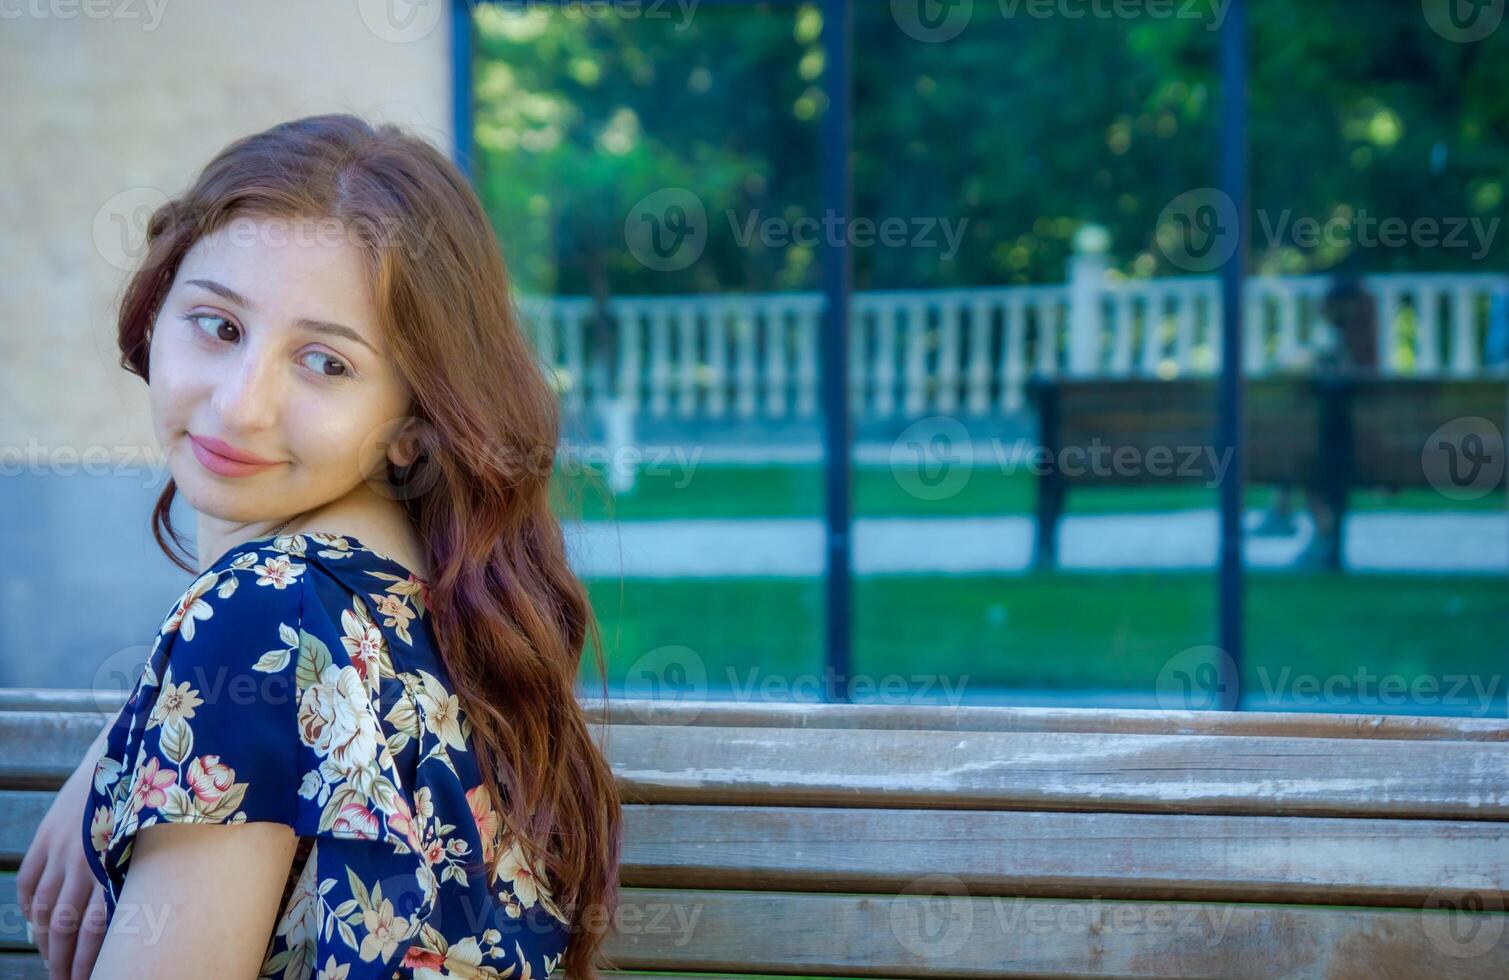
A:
{"points": [[1230, 436], [461, 83], [834, 351]]}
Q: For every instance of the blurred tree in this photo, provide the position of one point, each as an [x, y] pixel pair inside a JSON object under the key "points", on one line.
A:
{"points": [[1021, 129]]}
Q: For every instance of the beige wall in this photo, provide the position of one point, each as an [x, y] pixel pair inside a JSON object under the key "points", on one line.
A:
{"points": [[109, 110]]}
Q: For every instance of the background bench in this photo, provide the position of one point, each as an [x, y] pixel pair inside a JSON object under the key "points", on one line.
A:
{"points": [[874, 841], [1327, 434]]}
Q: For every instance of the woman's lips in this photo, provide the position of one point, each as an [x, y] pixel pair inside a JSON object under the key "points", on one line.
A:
{"points": [[224, 465]]}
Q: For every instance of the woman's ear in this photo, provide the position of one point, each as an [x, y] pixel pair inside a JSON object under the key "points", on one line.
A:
{"points": [[405, 446]]}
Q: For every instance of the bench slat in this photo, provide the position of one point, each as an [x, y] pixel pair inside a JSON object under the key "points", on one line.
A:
{"points": [[944, 935], [29, 966], [39, 749], [1062, 771], [21, 813], [1000, 718], [1042, 853], [1067, 855]]}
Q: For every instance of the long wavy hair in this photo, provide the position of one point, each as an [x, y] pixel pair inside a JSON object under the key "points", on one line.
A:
{"points": [[510, 616]]}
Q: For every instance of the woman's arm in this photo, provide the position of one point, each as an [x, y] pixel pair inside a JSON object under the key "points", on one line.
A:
{"points": [[199, 900], [55, 877]]}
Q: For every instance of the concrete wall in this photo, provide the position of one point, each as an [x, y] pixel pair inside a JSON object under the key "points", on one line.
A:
{"points": [[109, 106]]}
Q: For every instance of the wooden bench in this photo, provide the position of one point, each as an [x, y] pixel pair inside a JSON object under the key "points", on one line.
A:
{"points": [[874, 841], [1328, 434]]}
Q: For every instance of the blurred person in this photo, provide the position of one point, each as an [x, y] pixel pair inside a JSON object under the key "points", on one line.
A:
{"points": [[1351, 313]]}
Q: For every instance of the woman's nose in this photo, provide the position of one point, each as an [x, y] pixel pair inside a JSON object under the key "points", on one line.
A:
{"points": [[247, 394]]}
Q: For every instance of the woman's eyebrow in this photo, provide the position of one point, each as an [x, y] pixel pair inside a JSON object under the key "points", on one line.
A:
{"points": [[320, 326]]}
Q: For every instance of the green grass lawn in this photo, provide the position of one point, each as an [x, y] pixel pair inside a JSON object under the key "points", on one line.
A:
{"points": [[697, 490], [760, 638]]}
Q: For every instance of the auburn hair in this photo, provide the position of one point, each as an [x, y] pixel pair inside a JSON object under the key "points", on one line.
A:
{"points": [[510, 617]]}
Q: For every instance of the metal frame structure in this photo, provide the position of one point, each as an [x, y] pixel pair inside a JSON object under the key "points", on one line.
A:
{"points": [[837, 279]]}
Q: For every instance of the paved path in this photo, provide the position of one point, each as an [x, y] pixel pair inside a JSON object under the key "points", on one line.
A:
{"points": [[1384, 541]]}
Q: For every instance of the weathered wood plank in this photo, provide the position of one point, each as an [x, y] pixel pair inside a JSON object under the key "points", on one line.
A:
{"points": [[934, 933], [985, 718], [1068, 855], [937, 717], [1034, 853], [29, 966], [61, 699], [976, 769], [39, 749], [21, 812], [1062, 771]]}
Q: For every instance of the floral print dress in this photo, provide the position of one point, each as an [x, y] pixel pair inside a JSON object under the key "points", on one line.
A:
{"points": [[297, 680]]}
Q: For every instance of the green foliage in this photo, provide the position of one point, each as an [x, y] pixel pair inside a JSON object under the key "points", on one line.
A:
{"points": [[1022, 128]]}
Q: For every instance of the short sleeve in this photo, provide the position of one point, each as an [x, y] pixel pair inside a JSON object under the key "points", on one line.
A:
{"points": [[250, 711]]}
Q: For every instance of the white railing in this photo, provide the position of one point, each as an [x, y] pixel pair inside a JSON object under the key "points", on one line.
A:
{"points": [[970, 351]]}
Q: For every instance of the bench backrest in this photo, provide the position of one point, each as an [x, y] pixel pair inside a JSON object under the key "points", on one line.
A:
{"points": [[865, 840], [1290, 438]]}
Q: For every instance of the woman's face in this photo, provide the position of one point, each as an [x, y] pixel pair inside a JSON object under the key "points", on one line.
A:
{"points": [[268, 347]]}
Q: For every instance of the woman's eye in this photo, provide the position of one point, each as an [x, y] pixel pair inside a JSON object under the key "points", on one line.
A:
{"points": [[196, 318], [329, 361]]}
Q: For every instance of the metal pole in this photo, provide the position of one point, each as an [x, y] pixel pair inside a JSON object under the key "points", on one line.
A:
{"points": [[1234, 186], [837, 280], [461, 83]]}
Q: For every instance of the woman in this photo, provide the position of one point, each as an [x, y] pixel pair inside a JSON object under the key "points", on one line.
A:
{"points": [[359, 721]]}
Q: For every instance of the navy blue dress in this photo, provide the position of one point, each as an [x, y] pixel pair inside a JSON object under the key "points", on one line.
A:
{"points": [[297, 680]]}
